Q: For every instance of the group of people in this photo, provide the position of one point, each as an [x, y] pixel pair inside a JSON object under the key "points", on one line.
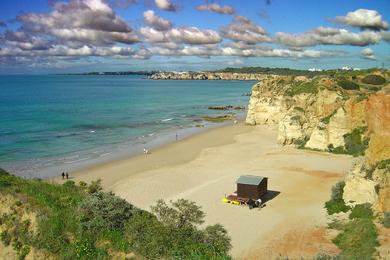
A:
{"points": [[65, 175]]}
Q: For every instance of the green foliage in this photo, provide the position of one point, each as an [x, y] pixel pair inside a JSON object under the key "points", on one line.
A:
{"points": [[69, 183], [336, 206], [305, 87], [326, 119], [95, 186], [384, 164], [3, 172], [216, 236], [85, 223], [361, 211], [347, 84], [386, 219], [357, 240], [374, 80], [354, 144], [104, 211], [338, 191]]}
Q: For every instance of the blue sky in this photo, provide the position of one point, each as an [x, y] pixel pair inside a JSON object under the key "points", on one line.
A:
{"points": [[43, 36]]}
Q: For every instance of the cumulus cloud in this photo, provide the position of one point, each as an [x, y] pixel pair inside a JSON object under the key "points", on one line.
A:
{"points": [[368, 53], [243, 29], [156, 22], [166, 5], [364, 19], [328, 36], [87, 21], [216, 8]]}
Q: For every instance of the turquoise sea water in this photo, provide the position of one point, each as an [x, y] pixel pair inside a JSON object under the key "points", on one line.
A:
{"points": [[58, 120]]}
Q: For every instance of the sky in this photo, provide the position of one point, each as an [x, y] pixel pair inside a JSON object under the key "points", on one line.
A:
{"points": [[75, 36]]}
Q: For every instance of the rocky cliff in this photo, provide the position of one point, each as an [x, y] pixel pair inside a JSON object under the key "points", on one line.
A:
{"points": [[206, 76], [340, 113]]}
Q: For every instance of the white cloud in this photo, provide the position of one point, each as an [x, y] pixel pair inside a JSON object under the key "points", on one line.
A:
{"points": [[243, 29], [156, 22], [368, 53], [328, 36], [216, 8], [165, 5], [364, 19]]}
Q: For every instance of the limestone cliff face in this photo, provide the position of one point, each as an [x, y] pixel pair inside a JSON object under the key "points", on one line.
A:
{"points": [[206, 76], [319, 114]]}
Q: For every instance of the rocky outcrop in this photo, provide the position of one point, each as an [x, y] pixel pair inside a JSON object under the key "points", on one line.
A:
{"points": [[319, 114], [206, 76]]}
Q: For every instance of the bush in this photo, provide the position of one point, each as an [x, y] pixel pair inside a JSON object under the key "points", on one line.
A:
{"points": [[362, 211], [3, 172], [69, 183], [182, 214], [374, 80], [347, 84], [336, 206], [216, 236], [386, 220], [338, 191], [354, 144], [357, 240], [104, 211], [384, 164], [95, 186], [305, 87]]}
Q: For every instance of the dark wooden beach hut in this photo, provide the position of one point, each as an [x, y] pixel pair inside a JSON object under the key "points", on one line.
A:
{"points": [[251, 187]]}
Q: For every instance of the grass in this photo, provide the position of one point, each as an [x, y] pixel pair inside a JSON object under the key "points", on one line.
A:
{"points": [[305, 87]]}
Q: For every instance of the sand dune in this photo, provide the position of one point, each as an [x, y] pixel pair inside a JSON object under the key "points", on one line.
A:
{"points": [[204, 168]]}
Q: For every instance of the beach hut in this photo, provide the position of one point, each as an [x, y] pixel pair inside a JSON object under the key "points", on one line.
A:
{"points": [[251, 187]]}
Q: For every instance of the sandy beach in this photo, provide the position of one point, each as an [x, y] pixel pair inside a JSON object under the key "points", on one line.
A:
{"points": [[204, 167]]}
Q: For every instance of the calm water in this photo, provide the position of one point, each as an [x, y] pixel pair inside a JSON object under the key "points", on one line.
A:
{"points": [[59, 120]]}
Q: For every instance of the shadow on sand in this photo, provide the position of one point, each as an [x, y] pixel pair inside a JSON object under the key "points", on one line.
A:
{"points": [[270, 195]]}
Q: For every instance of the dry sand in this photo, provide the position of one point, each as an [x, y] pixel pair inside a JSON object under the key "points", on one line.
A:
{"points": [[203, 168]]}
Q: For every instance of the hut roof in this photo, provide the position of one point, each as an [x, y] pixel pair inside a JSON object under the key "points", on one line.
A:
{"points": [[250, 179]]}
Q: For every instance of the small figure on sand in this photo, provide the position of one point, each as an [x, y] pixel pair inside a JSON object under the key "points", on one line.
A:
{"points": [[146, 151], [177, 137], [67, 175], [63, 175]]}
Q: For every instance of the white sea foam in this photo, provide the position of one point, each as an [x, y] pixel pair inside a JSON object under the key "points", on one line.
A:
{"points": [[166, 120]]}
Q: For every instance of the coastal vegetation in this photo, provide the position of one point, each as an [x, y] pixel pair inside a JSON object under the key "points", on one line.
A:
{"points": [[374, 80], [71, 221]]}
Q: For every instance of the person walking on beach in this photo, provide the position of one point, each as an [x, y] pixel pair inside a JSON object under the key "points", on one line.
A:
{"points": [[63, 175], [67, 176], [146, 151], [177, 137]]}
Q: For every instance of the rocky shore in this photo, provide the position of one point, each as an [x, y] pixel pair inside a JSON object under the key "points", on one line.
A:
{"points": [[339, 114], [206, 76]]}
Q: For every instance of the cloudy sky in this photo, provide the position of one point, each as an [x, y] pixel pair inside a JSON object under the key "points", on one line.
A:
{"points": [[44, 36]]}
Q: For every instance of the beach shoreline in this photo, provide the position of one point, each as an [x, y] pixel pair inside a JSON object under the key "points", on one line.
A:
{"points": [[204, 167]]}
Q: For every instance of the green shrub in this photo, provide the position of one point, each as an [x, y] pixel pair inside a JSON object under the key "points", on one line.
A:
{"points": [[69, 183], [338, 191], [326, 119], [3, 172], [305, 87], [384, 164], [104, 211], [336, 206], [182, 214], [354, 144], [386, 220], [347, 84], [95, 186], [357, 240], [361, 211], [5, 238], [374, 80], [216, 236]]}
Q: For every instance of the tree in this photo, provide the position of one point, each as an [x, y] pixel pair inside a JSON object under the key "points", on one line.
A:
{"points": [[182, 214]]}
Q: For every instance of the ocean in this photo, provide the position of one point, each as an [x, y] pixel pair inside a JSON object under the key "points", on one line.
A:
{"points": [[53, 123]]}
